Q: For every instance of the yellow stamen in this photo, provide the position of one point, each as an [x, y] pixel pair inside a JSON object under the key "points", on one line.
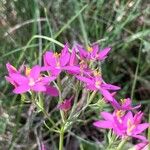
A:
{"points": [[89, 49], [96, 73], [97, 84], [82, 62], [56, 55], [123, 101], [27, 71], [130, 126], [119, 114]]}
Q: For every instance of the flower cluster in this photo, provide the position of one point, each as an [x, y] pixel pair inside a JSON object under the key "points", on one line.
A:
{"points": [[26, 79], [76, 63], [83, 65]]}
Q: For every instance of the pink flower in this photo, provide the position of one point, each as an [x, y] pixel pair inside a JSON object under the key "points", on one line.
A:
{"points": [[97, 83], [11, 69], [128, 125], [73, 65], [93, 53], [32, 80], [126, 104], [142, 146], [73, 61], [50, 90], [55, 63], [66, 104]]}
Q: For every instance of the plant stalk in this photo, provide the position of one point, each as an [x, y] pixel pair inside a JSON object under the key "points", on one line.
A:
{"points": [[61, 139], [120, 146]]}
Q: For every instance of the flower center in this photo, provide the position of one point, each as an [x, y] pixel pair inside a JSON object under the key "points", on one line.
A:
{"points": [[31, 82], [97, 84], [56, 55], [130, 126], [39, 78], [58, 64], [89, 49], [96, 73], [120, 114], [82, 64], [123, 101]]}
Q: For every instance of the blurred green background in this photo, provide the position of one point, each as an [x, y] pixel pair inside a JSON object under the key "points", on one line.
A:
{"points": [[123, 25]]}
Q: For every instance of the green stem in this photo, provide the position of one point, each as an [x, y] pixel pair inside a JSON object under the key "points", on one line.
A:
{"points": [[136, 73], [61, 135], [62, 116], [75, 100], [109, 146], [59, 84], [61, 139], [60, 97], [43, 111], [91, 97], [89, 100], [112, 141], [49, 119], [120, 146]]}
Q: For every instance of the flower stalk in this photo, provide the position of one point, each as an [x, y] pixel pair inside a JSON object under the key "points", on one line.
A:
{"points": [[121, 145], [61, 138]]}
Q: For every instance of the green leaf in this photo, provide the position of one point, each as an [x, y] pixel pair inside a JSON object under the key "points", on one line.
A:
{"points": [[3, 123]]}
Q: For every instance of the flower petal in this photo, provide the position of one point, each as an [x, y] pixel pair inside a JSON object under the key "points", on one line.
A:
{"points": [[64, 59], [115, 104], [47, 68], [47, 79], [83, 53], [65, 56], [141, 146], [107, 95], [103, 124], [35, 72], [10, 80], [21, 89], [141, 137], [110, 87], [19, 79], [72, 68], [49, 59], [141, 127], [107, 116], [56, 71], [51, 90], [95, 50], [128, 116], [85, 80], [73, 58], [38, 87], [103, 54], [64, 50], [11, 69]]}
